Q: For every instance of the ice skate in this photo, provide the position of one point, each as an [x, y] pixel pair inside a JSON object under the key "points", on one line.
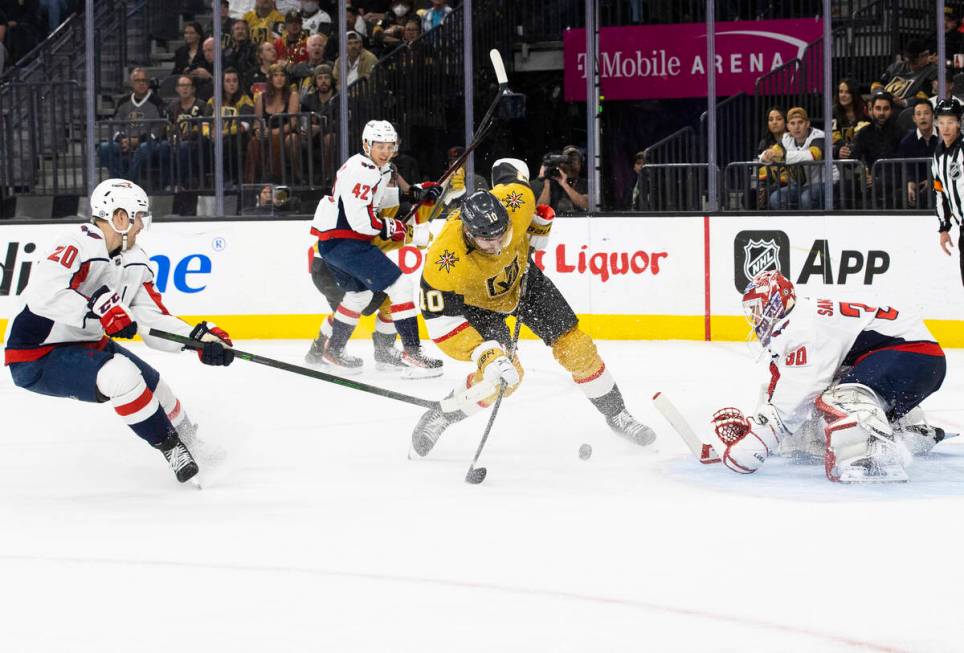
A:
{"points": [[625, 425], [342, 362], [430, 427], [420, 366], [178, 457], [316, 352], [387, 357], [209, 454]]}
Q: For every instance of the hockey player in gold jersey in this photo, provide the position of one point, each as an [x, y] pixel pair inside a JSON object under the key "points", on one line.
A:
{"points": [[471, 283]]}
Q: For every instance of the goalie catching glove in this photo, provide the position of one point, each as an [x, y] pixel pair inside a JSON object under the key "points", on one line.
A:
{"points": [[540, 226], [105, 305], [216, 344], [748, 441]]}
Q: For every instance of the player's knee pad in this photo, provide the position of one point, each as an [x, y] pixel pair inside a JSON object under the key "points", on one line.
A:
{"points": [[118, 377], [357, 301], [576, 352], [400, 292]]}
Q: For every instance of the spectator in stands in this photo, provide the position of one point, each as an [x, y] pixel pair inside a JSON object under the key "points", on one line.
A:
{"points": [[410, 33], [190, 55], [258, 78], [184, 133], [265, 22], [24, 29], [203, 75], [227, 23], [878, 140], [314, 20], [304, 72], [237, 111], [562, 187], [632, 192], [360, 61], [849, 111], [354, 22], [290, 46], [802, 144], [770, 177], [56, 12], [276, 134], [910, 77], [319, 102], [920, 142], [134, 143], [388, 32], [243, 56], [434, 16], [953, 39]]}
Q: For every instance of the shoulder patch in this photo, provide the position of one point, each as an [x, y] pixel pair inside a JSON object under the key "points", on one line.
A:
{"points": [[90, 232], [446, 261]]}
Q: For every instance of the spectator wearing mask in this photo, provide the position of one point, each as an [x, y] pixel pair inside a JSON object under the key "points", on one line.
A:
{"points": [[243, 56], [910, 78], [801, 144], [360, 61], [920, 142], [134, 142], [389, 31], [265, 22], [190, 55], [434, 16], [563, 188], [314, 19], [304, 73], [290, 46]]}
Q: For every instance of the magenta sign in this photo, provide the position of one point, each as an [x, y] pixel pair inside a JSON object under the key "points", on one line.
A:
{"points": [[669, 61]]}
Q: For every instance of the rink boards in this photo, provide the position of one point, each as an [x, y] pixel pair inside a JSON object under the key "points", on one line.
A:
{"points": [[627, 277]]}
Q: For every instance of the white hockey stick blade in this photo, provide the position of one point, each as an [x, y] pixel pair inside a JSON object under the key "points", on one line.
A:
{"points": [[705, 453], [499, 66]]}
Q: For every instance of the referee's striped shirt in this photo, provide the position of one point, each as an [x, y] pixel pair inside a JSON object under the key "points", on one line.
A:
{"points": [[947, 168]]}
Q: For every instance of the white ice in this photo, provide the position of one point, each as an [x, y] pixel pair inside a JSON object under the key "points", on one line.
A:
{"points": [[319, 535]]}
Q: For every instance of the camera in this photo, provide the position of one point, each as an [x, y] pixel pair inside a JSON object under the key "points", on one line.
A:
{"points": [[552, 163]]}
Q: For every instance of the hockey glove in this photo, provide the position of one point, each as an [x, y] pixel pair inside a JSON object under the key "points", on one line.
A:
{"points": [[421, 235], [392, 229], [745, 439], [494, 365], [540, 226], [105, 305], [426, 192], [216, 344]]}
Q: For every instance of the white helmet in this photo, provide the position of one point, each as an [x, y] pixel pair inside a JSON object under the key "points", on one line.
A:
{"points": [[113, 194], [506, 170], [378, 131]]}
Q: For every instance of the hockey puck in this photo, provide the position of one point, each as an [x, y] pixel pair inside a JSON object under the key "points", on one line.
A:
{"points": [[585, 451]]}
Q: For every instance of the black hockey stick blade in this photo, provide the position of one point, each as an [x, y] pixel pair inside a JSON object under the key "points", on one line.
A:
{"points": [[475, 475], [304, 371]]}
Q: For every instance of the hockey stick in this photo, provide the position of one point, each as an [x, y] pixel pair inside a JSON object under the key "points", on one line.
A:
{"points": [[705, 453], [476, 475], [304, 371], [484, 126]]}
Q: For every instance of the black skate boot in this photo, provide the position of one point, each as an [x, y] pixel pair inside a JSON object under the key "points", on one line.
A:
{"points": [[420, 366], [316, 352], [625, 425], [387, 357], [341, 361], [178, 457], [430, 427]]}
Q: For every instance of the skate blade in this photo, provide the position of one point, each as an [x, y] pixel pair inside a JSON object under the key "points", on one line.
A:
{"points": [[412, 373], [389, 368]]}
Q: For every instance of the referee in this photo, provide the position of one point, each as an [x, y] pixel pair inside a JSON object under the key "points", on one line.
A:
{"points": [[948, 171]]}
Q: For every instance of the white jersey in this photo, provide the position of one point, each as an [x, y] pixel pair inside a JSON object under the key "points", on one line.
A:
{"points": [[819, 336], [317, 23], [351, 209], [55, 310]]}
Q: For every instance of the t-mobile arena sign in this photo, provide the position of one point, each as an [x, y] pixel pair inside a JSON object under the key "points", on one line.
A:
{"points": [[669, 61]]}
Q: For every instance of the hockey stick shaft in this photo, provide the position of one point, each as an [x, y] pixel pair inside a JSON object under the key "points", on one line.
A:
{"points": [[704, 452], [304, 371]]}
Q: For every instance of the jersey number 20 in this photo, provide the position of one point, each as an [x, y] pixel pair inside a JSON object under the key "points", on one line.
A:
{"points": [[65, 255]]}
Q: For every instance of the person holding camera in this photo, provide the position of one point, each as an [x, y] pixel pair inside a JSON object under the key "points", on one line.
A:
{"points": [[563, 188]]}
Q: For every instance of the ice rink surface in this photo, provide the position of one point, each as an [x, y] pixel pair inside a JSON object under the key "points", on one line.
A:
{"points": [[317, 533]]}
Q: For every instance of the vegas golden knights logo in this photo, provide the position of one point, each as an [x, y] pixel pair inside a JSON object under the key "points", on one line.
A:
{"points": [[502, 282]]}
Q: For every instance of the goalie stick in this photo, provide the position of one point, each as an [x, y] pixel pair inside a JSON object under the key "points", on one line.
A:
{"points": [[704, 452]]}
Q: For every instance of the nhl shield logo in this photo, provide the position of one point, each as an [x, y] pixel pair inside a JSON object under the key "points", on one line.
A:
{"points": [[761, 255]]}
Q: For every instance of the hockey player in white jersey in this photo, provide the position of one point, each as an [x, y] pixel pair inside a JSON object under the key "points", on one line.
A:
{"points": [[864, 369], [95, 285], [345, 223]]}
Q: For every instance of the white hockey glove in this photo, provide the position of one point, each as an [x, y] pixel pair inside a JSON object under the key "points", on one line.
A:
{"points": [[421, 235], [540, 226], [748, 442], [494, 365]]}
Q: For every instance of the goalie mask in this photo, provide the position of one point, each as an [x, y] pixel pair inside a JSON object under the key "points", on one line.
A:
{"points": [[485, 223], [766, 301], [112, 195]]}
